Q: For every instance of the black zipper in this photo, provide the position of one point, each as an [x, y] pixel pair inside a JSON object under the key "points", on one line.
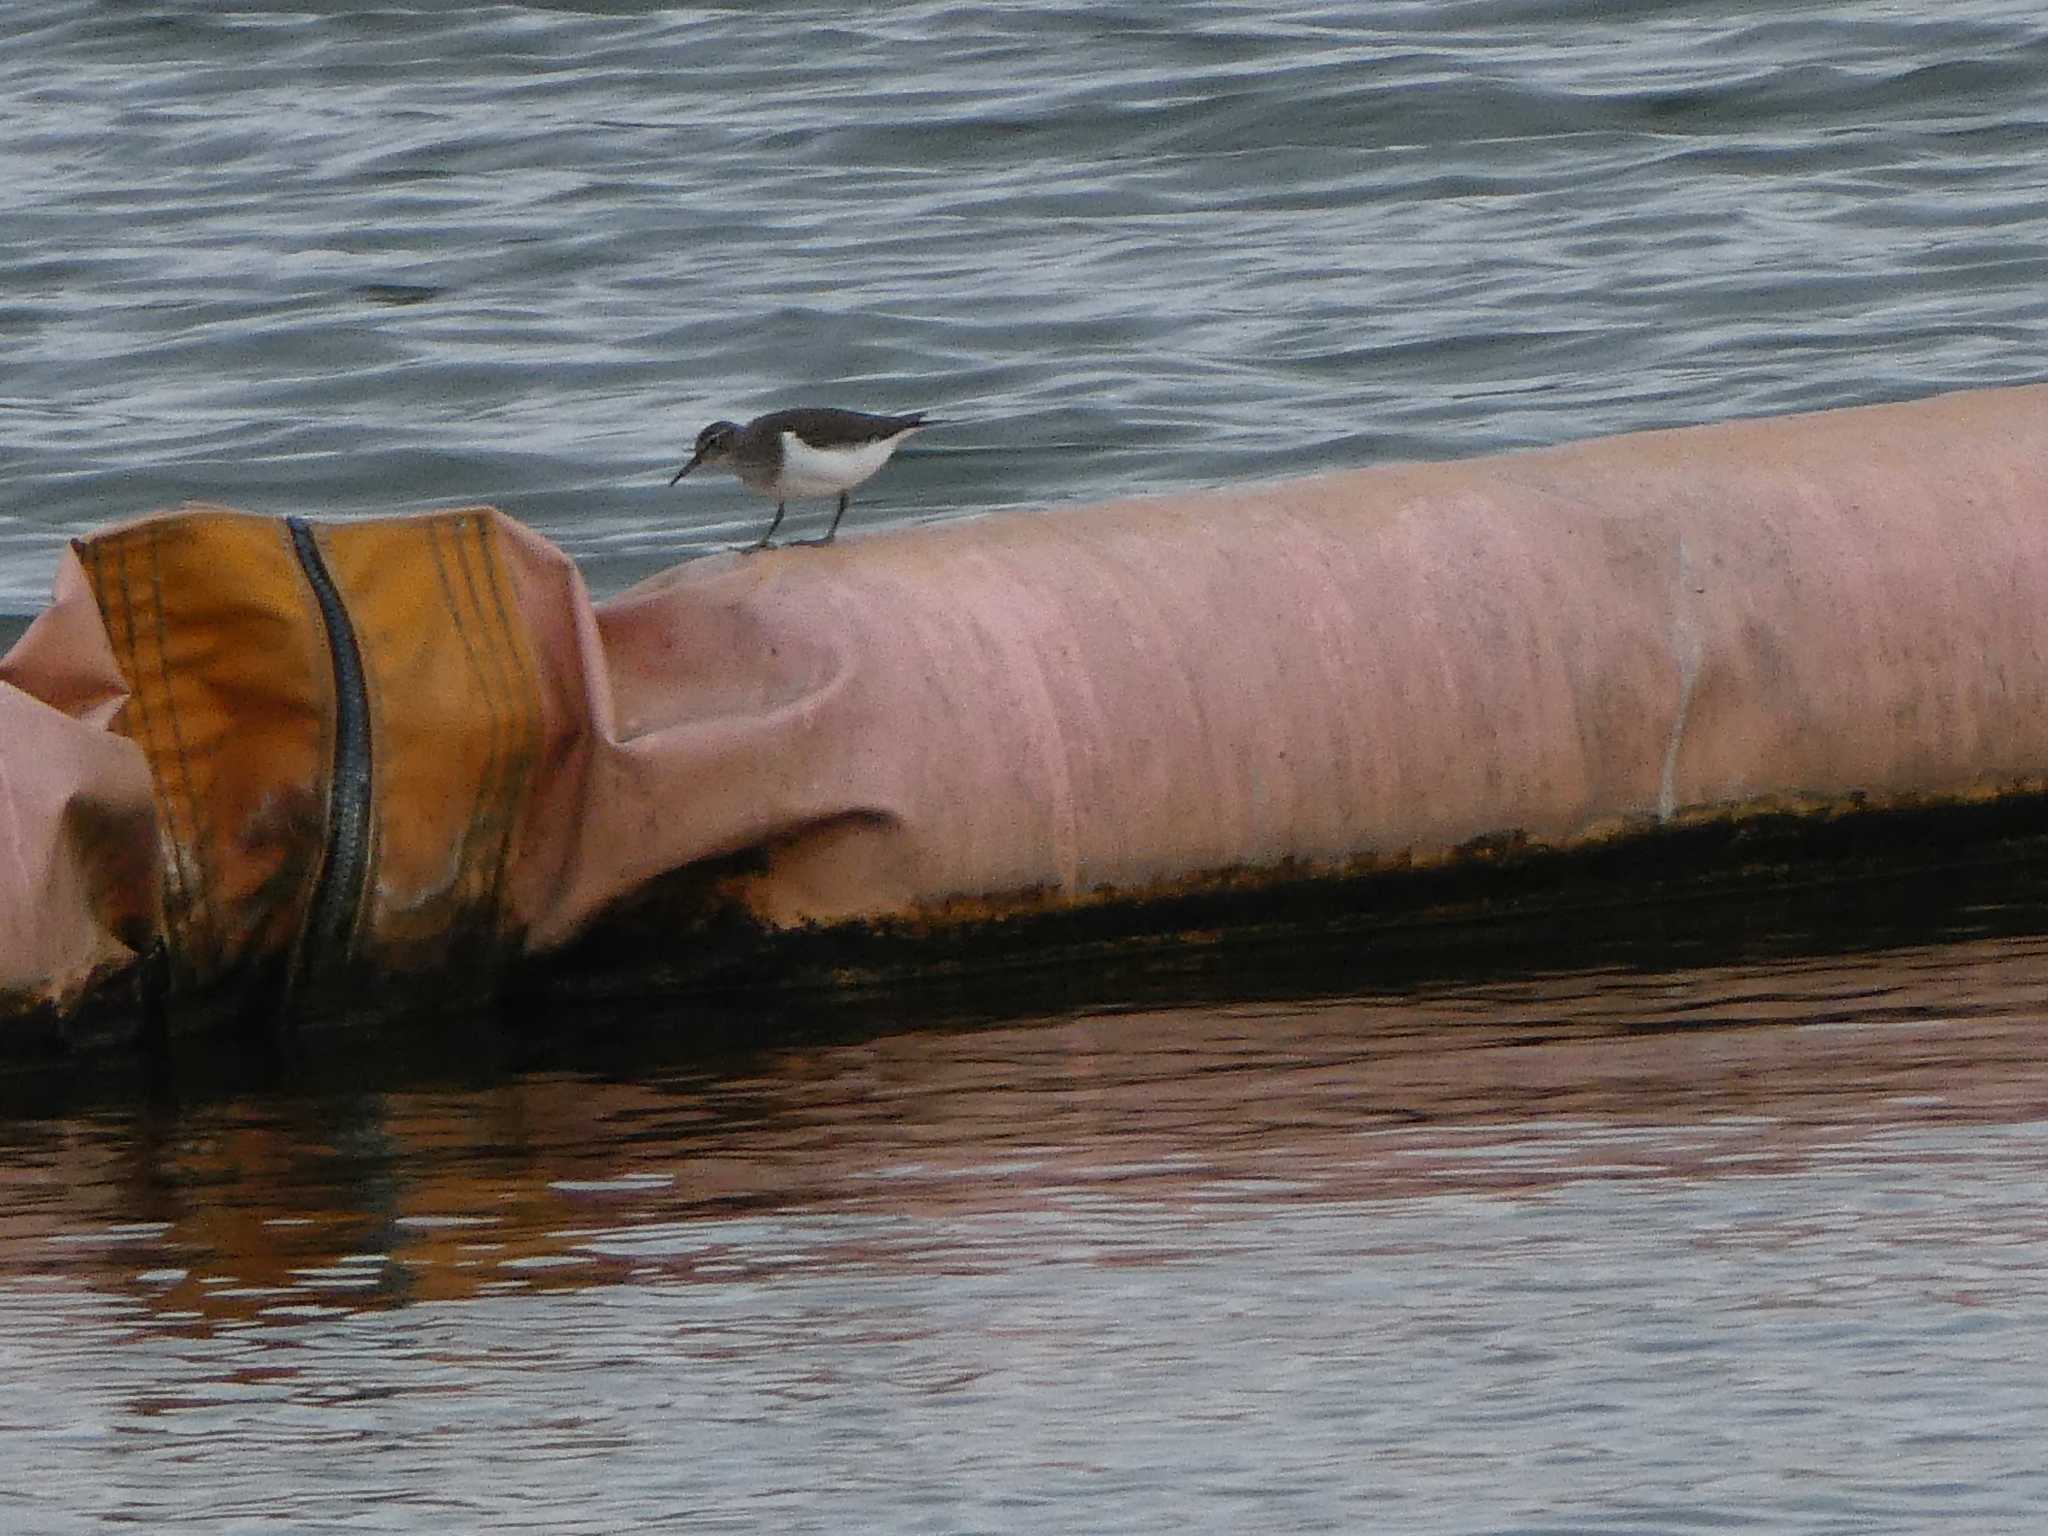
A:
{"points": [[328, 934]]}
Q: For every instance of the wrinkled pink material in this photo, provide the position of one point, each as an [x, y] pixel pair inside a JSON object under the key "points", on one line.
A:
{"points": [[1387, 662], [1046, 707], [64, 775]]}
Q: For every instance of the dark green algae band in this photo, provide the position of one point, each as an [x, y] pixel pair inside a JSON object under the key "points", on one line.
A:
{"points": [[1710, 891], [1843, 876]]}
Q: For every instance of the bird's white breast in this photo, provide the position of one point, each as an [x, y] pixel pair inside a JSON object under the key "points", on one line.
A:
{"points": [[808, 471]]}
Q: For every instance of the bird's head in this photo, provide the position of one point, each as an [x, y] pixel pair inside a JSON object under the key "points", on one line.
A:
{"points": [[714, 447]]}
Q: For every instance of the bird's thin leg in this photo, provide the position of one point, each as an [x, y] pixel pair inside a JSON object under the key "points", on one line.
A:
{"points": [[827, 539], [762, 542]]}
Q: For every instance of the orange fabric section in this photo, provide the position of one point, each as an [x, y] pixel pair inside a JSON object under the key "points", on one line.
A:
{"points": [[455, 727], [197, 639], [230, 699]]}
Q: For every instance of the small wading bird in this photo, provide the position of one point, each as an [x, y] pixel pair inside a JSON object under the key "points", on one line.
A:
{"points": [[806, 451]]}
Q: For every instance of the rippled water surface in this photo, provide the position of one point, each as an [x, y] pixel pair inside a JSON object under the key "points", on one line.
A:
{"points": [[1741, 1247], [336, 260]]}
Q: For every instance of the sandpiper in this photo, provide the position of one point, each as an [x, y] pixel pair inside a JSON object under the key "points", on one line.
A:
{"points": [[805, 451]]}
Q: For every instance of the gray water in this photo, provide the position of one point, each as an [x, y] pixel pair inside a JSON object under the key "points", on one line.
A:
{"points": [[332, 260], [1755, 1246], [1740, 1246]]}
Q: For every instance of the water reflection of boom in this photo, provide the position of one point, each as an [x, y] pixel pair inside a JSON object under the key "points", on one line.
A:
{"points": [[288, 761]]}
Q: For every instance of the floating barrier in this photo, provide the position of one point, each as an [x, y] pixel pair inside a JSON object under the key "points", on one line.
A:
{"points": [[253, 766]]}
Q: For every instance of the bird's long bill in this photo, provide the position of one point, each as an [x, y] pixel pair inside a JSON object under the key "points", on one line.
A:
{"points": [[695, 460]]}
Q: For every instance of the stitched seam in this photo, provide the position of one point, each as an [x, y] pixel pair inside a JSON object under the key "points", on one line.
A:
{"points": [[527, 698], [494, 783]]}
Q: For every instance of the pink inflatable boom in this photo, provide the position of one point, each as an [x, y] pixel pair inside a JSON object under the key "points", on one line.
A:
{"points": [[265, 757]]}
